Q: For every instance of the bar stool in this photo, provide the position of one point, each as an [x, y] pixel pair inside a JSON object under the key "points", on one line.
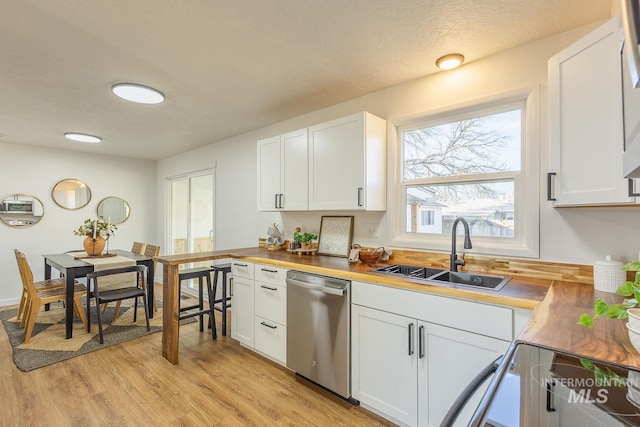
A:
{"points": [[200, 273], [224, 301]]}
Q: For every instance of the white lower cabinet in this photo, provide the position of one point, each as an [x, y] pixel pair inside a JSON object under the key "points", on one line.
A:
{"points": [[271, 312], [450, 359], [242, 320], [271, 339], [383, 373], [411, 370], [260, 309]]}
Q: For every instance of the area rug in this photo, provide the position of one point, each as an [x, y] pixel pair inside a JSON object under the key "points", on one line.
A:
{"points": [[48, 344]]}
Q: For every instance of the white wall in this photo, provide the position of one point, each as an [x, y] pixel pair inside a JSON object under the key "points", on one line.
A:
{"points": [[579, 235], [34, 171]]}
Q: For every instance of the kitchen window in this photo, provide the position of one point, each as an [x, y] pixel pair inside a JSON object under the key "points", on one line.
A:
{"points": [[479, 162]]}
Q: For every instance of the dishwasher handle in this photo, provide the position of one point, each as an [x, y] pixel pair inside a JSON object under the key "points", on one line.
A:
{"points": [[325, 289]]}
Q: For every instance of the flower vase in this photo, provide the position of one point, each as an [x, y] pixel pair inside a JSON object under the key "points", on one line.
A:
{"points": [[94, 247]]}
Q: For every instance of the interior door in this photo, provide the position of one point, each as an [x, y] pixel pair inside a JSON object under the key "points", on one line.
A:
{"points": [[192, 214]]}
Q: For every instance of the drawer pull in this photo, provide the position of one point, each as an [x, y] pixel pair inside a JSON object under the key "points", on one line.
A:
{"points": [[241, 265], [268, 270], [268, 325], [269, 288]]}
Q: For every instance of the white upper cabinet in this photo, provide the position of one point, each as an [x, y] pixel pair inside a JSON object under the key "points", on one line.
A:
{"points": [[283, 172], [585, 121], [347, 164]]}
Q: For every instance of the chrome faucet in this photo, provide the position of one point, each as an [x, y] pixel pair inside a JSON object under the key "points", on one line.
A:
{"points": [[455, 262]]}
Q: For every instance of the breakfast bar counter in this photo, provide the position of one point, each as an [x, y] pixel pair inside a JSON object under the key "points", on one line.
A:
{"points": [[520, 292]]}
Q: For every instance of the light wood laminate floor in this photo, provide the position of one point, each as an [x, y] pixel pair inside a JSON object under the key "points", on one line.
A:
{"points": [[217, 383]]}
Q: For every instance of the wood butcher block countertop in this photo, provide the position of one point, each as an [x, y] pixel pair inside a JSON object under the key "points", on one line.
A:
{"points": [[518, 292], [554, 325], [557, 304]]}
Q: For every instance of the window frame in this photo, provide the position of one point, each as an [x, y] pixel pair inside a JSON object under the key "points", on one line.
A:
{"points": [[526, 241]]}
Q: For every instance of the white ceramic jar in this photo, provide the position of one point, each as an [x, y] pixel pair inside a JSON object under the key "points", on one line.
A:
{"points": [[608, 275]]}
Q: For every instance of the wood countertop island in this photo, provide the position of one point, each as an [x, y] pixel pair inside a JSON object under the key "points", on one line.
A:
{"points": [[554, 325]]}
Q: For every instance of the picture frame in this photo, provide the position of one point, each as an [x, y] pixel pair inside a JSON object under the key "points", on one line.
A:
{"points": [[336, 235]]}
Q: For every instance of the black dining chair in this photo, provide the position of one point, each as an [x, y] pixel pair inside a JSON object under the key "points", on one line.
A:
{"points": [[134, 288]]}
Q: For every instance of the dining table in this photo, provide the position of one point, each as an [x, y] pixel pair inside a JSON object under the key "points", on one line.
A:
{"points": [[72, 267]]}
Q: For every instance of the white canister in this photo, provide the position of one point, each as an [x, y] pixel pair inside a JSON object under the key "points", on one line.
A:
{"points": [[608, 275]]}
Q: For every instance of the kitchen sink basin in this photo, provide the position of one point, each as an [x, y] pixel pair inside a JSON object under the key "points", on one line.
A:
{"points": [[472, 279]]}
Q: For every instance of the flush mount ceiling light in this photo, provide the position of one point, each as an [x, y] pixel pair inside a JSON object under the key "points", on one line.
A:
{"points": [[82, 137], [137, 93], [449, 62]]}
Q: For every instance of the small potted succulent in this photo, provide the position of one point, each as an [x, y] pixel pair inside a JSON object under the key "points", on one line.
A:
{"points": [[304, 239]]}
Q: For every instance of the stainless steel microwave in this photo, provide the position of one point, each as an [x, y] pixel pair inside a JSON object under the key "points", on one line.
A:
{"points": [[17, 206]]}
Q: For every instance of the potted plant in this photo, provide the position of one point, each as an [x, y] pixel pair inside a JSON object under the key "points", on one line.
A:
{"points": [[617, 311], [95, 231], [304, 239]]}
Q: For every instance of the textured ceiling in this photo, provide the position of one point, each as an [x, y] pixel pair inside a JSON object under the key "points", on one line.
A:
{"points": [[228, 67]]}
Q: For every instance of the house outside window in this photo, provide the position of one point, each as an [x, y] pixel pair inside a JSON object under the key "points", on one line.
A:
{"points": [[477, 163]]}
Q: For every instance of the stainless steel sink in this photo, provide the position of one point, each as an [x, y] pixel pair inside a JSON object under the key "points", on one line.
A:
{"points": [[472, 279]]}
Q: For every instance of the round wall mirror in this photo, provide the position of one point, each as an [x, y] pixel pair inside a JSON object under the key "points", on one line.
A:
{"points": [[114, 210], [20, 210], [71, 194]]}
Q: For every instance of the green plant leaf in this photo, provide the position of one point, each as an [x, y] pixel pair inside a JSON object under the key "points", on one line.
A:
{"points": [[632, 266], [587, 363], [600, 307], [600, 376], [627, 289], [586, 320], [617, 311]]}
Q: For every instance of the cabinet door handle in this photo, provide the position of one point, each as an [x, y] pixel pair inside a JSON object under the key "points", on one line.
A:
{"points": [[281, 198], [420, 342], [632, 192], [359, 196], [275, 201], [268, 325], [241, 265], [411, 339], [268, 270], [550, 191], [550, 406], [269, 288], [231, 286]]}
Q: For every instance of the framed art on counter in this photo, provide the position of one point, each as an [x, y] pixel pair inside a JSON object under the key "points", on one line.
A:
{"points": [[336, 233]]}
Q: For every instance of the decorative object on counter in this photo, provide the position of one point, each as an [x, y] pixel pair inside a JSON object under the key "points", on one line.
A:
{"points": [[617, 311], [336, 235], [20, 210], [370, 257], [354, 253], [608, 275], [275, 240], [356, 250], [97, 232], [305, 239], [302, 243], [71, 194]]}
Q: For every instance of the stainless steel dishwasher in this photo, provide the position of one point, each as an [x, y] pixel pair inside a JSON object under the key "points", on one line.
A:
{"points": [[318, 330]]}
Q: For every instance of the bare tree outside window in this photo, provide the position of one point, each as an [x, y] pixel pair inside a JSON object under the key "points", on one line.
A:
{"points": [[487, 146]]}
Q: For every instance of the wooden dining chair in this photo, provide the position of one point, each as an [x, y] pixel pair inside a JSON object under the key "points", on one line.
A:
{"points": [[42, 285], [137, 248], [39, 295], [135, 288]]}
